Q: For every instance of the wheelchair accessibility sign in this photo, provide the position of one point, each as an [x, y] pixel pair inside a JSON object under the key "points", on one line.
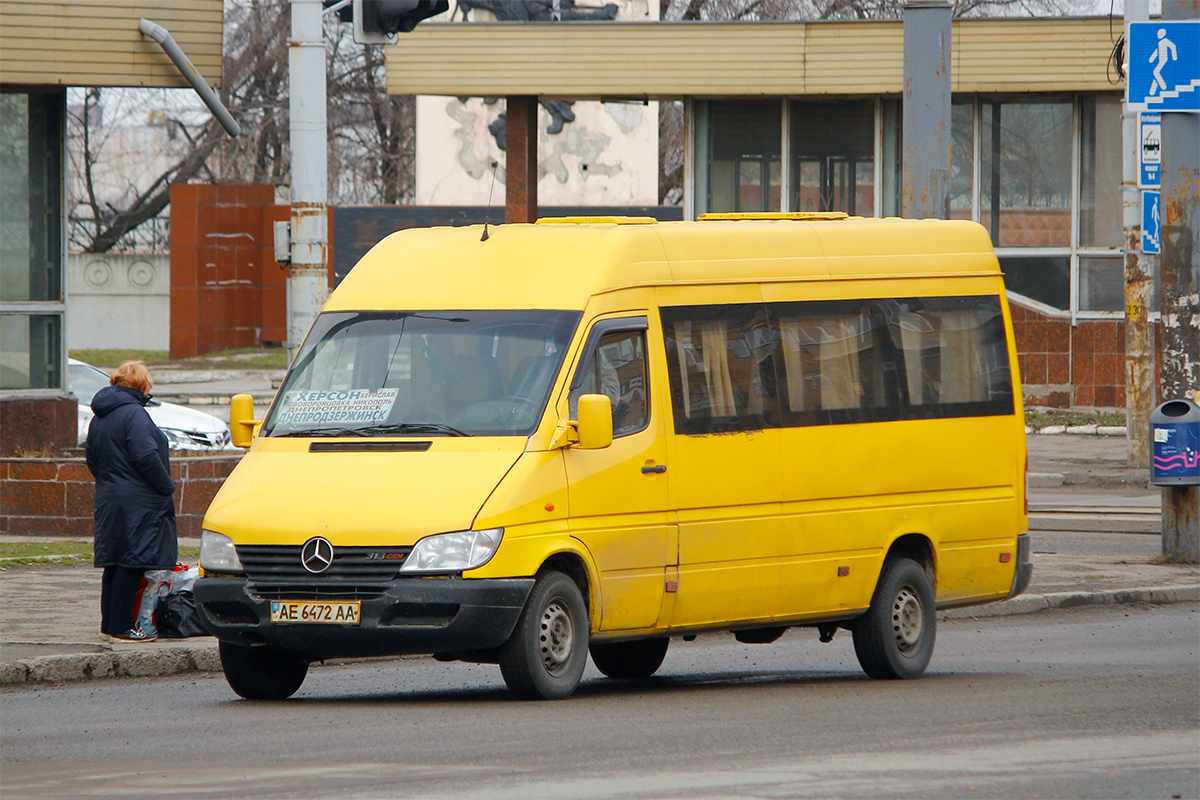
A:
{"points": [[1164, 66]]}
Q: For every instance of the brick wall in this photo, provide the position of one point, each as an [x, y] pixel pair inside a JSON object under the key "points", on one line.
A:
{"points": [[31, 425], [57, 495], [1065, 365]]}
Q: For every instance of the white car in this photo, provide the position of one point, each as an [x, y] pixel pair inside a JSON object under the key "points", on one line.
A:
{"points": [[186, 429]]}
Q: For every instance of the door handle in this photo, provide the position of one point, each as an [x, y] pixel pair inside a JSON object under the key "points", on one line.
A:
{"points": [[659, 468]]}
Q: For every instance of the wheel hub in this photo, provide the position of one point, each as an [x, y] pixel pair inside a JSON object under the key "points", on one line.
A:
{"points": [[557, 637], [907, 619]]}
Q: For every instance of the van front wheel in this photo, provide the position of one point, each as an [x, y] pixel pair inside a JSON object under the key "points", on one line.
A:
{"points": [[639, 659], [262, 673], [545, 656], [894, 639]]}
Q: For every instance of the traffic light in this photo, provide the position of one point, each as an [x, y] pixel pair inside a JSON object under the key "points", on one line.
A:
{"points": [[378, 21]]}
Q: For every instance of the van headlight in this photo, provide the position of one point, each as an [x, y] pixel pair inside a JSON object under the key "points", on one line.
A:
{"points": [[453, 552], [218, 554]]}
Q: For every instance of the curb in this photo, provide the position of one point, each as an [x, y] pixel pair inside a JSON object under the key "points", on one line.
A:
{"points": [[111, 664], [1032, 603], [135, 664], [1079, 430]]}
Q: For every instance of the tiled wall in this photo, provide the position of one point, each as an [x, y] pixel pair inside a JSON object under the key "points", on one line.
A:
{"points": [[1064, 365], [58, 495], [227, 290]]}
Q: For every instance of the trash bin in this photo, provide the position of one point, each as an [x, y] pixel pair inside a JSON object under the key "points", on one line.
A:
{"points": [[1175, 444]]}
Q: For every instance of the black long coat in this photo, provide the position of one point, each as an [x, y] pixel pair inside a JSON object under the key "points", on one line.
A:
{"points": [[135, 510]]}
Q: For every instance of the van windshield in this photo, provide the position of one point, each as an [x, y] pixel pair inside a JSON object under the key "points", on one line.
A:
{"points": [[423, 373]]}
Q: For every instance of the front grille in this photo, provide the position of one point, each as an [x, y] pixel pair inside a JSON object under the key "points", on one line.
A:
{"points": [[315, 591], [276, 572]]}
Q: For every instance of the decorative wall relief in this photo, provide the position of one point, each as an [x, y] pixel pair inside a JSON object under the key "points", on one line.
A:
{"points": [[589, 153]]}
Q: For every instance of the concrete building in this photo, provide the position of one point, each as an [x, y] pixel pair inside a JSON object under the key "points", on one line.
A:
{"points": [[44, 48]]}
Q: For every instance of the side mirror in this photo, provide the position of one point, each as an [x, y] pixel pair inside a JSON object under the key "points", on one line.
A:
{"points": [[595, 424], [241, 420]]}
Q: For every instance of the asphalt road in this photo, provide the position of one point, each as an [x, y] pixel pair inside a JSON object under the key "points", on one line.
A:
{"points": [[1095, 702]]}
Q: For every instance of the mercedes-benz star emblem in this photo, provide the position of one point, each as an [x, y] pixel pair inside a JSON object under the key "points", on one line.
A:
{"points": [[316, 555]]}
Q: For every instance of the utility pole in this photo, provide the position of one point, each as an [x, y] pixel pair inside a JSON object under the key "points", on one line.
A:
{"points": [[1139, 277], [926, 160], [1180, 265], [308, 284], [1179, 292]]}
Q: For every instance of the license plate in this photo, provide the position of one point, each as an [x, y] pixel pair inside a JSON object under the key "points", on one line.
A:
{"points": [[302, 611]]}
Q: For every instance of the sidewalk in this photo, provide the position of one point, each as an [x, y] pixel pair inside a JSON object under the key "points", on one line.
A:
{"points": [[50, 614]]}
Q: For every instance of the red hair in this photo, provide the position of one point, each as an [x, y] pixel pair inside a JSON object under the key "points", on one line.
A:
{"points": [[134, 375]]}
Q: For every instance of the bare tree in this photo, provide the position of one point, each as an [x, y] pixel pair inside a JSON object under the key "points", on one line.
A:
{"points": [[116, 190], [779, 10], [372, 134]]}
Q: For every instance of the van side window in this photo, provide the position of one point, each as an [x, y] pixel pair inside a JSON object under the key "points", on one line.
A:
{"points": [[955, 356], [721, 360], [618, 369], [836, 362], [833, 364]]}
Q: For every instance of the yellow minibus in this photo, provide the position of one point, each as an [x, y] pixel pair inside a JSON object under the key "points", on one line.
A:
{"points": [[524, 444]]}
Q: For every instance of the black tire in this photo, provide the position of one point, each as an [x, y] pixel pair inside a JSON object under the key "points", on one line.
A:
{"points": [[262, 673], [895, 638], [639, 659], [545, 656]]}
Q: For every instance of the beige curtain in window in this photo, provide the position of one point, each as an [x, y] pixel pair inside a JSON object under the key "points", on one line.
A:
{"points": [[716, 368], [963, 379], [683, 341], [838, 354], [793, 336], [917, 332]]}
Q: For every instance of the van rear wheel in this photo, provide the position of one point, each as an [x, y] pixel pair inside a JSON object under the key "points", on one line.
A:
{"points": [[262, 673], [545, 656], [894, 639], [639, 659]]}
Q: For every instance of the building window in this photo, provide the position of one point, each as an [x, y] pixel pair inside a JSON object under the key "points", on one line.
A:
{"points": [[833, 156], [31, 282], [744, 156], [30, 356], [1100, 172], [1044, 278], [1025, 196], [1101, 282], [1042, 174], [962, 160]]}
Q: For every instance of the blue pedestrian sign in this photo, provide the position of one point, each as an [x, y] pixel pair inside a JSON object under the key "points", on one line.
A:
{"points": [[1149, 150], [1151, 222], [1164, 66]]}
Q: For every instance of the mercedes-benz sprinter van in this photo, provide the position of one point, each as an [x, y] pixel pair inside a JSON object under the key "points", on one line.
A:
{"points": [[596, 435]]}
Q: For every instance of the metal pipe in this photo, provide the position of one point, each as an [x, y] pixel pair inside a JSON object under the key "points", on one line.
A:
{"points": [[161, 35]]}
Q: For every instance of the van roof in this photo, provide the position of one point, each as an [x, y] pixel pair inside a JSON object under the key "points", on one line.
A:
{"points": [[560, 263]]}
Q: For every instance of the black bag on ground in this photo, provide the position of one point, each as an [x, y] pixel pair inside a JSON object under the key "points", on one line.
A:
{"points": [[177, 618]]}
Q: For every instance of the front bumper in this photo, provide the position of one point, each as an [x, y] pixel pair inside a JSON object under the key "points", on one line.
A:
{"points": [[413, 615], [1024, 571]]}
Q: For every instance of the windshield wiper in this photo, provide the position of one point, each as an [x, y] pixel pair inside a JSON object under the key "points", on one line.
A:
{"points": [[413, 427], [321, 432]]}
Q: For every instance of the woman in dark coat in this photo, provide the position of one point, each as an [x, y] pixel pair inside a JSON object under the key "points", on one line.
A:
{"points": [[135, 510]]}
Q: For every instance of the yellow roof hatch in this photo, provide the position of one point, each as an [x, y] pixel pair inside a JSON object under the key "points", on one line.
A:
{"points": [[597, 221], [794, 216]]}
